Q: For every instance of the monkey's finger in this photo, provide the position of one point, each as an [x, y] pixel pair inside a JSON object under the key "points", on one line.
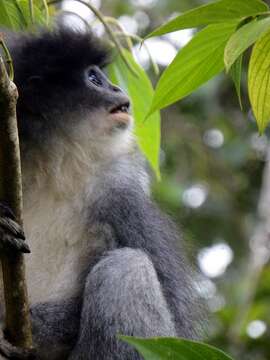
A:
{"points": [[10, 243], [20, 245], [13, 227]]}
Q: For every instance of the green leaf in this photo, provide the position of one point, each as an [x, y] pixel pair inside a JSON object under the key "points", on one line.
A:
{"points": [[10, 15], [15, 14], [236, 72], [212, 13], [39, 15], [174, 349], [259, 81], [141, 92], [195, 64], [243, 38]]}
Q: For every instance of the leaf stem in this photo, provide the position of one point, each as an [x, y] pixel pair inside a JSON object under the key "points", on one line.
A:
{"points": [[46, 10], [113, 21], [140, 40], [31, 11], [7, 58]]}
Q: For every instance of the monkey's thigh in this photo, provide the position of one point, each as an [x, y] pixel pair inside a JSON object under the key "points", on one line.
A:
{"points": [[122, 296]]}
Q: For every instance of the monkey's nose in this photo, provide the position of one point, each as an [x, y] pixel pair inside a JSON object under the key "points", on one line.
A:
{"points": [[116, 88]]}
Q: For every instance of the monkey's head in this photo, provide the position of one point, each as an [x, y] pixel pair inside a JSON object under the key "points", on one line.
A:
{"points": [[66, 103]]}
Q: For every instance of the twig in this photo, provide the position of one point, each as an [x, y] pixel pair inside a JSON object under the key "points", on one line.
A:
{"points": [[113, 21], [16, 300]]}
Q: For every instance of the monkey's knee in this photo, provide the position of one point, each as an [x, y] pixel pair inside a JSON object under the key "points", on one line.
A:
{"points": [[122, 296], [125, 289]]}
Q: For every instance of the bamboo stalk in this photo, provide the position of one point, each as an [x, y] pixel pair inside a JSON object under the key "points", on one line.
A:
{"points": [[17, 319]]}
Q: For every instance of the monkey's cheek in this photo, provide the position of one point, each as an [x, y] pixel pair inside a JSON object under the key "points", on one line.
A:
{"points": [[120, 120]]}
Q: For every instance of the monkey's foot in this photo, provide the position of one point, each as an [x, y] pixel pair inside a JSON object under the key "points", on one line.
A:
{"points": [[8, 351], [11, 234]]}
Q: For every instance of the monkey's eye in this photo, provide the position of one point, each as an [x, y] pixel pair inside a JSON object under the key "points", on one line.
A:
{"points": [[93, 77]]}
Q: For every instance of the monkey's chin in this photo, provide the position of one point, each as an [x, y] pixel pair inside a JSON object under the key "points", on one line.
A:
{"points": [[120, 120]]}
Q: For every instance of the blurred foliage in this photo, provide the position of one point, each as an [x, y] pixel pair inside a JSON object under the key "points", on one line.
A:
{"points": [[231, 174]]}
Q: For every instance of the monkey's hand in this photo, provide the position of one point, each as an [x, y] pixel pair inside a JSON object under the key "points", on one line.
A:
{"points": [[11, 234], [8, 351]]}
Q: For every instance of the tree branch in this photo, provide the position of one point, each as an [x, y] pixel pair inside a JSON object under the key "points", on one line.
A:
{"points": [[16, 300]]}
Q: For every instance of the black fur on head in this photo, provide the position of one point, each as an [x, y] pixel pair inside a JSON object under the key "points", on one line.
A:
{"points": [[51, 73], [55, 54]]}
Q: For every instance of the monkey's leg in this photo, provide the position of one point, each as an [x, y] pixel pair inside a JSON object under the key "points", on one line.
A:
{"points": [[122, 296]]}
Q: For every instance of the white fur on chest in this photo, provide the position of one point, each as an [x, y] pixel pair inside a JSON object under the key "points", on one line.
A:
{"points": [[57, 196], [60, 242]]}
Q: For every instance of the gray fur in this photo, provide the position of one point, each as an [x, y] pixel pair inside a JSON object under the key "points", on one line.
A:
{"points": [[103, 258], [122, 296]]}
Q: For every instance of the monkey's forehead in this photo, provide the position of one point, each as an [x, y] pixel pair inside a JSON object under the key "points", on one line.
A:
{"points": [[57, 50]]}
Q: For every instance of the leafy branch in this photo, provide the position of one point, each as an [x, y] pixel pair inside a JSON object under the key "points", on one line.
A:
{"points": [[232, 26]]}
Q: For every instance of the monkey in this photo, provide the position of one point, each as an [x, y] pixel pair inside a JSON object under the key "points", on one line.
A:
{"points": [[104, 259]]}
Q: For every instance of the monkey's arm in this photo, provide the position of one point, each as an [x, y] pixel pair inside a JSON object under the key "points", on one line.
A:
{"points": [[138, 223]]}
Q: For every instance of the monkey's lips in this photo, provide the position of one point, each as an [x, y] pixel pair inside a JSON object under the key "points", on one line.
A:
{"points": [[120, 115]]}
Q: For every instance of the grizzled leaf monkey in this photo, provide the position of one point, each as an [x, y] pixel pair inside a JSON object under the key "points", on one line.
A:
{"points": [[103, 256]]}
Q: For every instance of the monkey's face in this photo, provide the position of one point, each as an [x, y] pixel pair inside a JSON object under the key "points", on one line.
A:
{"points": [[64, 95], [112, 100], [104, 109]]}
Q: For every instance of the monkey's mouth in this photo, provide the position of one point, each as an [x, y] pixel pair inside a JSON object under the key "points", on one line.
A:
{"points": [[122, 108], [120, 116]]}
